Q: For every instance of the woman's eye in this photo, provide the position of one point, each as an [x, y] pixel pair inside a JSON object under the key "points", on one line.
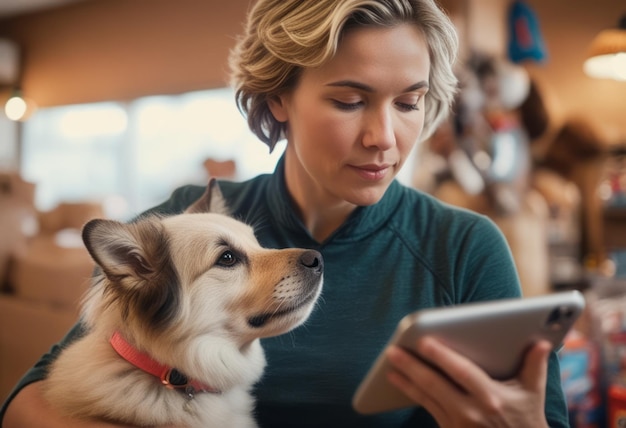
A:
{"points": [[347, 106], [408, 107], [227, 258], [356, 105]]}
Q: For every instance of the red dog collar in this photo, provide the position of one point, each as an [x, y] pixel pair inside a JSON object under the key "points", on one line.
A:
{"points": [[169, 376]]}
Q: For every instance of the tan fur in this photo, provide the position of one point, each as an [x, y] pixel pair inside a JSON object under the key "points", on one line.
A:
{"points": [[203, 317]]}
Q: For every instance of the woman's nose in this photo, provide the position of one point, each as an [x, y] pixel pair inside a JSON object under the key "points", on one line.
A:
{"points": [[378, 130]]}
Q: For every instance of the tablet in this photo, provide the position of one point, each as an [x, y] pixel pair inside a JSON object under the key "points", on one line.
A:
{"points": [[494, 334]]}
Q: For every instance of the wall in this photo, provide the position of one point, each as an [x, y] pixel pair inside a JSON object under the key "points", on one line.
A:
{"points": [[121, 49], [9, 131], [570, 26]]}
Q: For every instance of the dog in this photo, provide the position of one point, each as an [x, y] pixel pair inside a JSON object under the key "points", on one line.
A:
{"points": [[174, 318]]}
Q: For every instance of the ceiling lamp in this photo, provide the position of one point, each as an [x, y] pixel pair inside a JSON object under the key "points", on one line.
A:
{"points": [[18, 107], [607, 54]]}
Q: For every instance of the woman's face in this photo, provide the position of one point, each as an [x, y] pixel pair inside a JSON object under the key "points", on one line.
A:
{"points": [[352, 122]]}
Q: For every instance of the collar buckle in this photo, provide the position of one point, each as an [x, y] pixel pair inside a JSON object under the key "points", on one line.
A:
{"points": [[173, 379]]}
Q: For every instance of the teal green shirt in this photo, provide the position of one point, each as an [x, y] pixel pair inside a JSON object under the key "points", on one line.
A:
{"points": [[405, 253]]}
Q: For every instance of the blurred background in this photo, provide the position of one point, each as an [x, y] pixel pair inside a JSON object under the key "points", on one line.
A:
{"points": [[108, 105]]}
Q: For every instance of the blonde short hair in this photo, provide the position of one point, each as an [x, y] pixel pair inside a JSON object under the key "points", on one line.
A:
{"points": [[282, 37]]}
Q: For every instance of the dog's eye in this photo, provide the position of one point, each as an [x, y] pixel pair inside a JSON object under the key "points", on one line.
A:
{"points": [[227, 258]]}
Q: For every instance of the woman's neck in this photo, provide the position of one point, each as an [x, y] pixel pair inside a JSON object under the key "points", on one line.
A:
{"points": [[322, 222], [321, 212]]}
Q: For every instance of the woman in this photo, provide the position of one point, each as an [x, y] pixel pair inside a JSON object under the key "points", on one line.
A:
{"points": [[353, 85]]}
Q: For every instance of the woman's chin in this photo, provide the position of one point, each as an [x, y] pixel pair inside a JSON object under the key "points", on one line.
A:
{"points": [[366, 197]]}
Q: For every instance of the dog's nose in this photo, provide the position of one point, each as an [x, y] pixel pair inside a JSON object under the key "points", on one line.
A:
{"points": [[313, 260]]}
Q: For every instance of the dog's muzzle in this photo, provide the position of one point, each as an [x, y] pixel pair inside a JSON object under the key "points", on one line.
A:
{"points": [[310, 270]]}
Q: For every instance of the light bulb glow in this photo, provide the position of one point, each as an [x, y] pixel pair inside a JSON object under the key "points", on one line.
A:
{"points": [[16, 108], [610, 66]]}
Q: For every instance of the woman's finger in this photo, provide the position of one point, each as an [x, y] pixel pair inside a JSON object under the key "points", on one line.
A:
{"points": [[465, 373], [422, 383], [535, 369]]}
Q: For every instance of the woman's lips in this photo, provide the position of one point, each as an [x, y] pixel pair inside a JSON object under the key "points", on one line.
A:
{"points": [[371, 172]]}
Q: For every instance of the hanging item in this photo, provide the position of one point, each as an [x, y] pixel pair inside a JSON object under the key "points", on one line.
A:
{"points": [[607, 54], [525, 40]]}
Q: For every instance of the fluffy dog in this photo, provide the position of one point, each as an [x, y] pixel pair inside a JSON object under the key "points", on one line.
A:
{"points": [[174, 317]]}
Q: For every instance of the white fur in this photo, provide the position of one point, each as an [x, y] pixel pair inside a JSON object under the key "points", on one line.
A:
{"points": [[209, 338]]}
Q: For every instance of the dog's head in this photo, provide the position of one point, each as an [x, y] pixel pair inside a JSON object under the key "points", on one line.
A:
{"points": [[200, 273]]}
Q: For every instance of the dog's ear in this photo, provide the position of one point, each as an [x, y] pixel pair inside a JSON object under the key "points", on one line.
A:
{"points": [[211, 201], [135, 259], [118, 248]]}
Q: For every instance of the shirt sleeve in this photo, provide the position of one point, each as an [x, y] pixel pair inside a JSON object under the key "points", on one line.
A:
{"points": [[556, 407], [40, 369], [490, 264], [485, 267]]}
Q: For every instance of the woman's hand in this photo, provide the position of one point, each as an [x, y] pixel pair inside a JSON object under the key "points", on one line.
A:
{"points": [[472, 399]]}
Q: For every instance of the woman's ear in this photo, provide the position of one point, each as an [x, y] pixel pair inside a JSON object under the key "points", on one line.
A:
{"points": [[278, 108]]}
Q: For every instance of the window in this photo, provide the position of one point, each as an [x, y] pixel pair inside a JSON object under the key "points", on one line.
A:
{"points": [[131, 156]]}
